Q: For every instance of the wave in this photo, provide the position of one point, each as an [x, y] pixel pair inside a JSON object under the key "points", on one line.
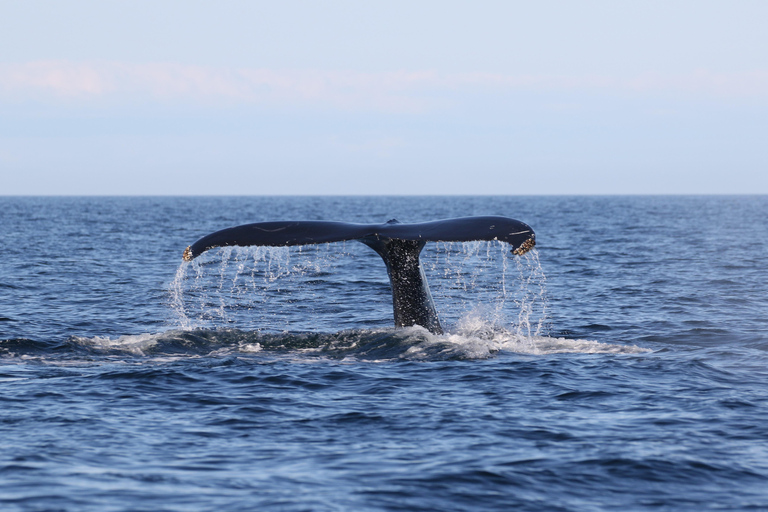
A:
{"points": [[410, 344]]}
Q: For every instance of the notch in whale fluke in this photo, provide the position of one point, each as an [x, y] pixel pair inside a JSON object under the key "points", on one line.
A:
{"points": [[399, 245]]}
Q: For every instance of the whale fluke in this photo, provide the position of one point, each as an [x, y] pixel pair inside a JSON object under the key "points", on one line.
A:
{"points": [[398, 244]]}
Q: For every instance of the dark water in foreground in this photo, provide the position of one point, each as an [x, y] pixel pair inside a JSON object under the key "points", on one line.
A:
{"points": [[624, 364]]}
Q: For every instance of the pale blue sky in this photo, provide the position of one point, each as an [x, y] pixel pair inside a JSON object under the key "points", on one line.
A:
{"points": [[236, 97]]}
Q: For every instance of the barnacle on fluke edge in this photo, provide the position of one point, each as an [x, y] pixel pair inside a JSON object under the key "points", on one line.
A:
{"points": [[525, 247]]}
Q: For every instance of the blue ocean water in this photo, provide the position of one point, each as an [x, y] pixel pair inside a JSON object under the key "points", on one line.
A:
{"points": [[621, 364]]}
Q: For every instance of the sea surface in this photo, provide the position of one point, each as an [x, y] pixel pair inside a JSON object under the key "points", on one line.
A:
{"points": [[620, 365]]}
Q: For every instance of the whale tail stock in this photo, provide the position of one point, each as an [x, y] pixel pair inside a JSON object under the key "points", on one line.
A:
{"points": [[398, 244]]}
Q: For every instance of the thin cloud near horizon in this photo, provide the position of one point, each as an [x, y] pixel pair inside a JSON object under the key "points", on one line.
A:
{"points": [[62, 80]]}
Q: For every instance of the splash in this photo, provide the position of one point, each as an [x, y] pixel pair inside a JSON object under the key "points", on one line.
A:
{"points": [[531, 298], [483, 284], [138, 345], [330, 287], [265, 288]]}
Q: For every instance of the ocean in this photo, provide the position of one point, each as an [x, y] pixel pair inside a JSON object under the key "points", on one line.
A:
{"points": [[621, 364]]}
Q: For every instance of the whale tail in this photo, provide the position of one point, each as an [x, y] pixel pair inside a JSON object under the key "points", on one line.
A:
{"points": [[398, 244]]}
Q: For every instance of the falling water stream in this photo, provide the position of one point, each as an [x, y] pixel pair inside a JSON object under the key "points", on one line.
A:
{"points": [[264, 287]]}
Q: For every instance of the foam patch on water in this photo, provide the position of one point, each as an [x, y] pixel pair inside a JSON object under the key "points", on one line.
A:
{"points": [[139, 344], [488, 343], [180, 343], [543, 345]]}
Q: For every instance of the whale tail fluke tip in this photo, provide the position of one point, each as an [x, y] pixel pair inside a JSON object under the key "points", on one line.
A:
{"points": [[187, 256]]}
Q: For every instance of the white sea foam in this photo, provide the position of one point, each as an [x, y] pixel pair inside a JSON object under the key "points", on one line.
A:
{"points": [[249, 348], [483, 343], [138, 344]]}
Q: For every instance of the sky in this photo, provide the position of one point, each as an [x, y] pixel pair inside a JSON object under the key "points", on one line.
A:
{"points": [[398, 97]]}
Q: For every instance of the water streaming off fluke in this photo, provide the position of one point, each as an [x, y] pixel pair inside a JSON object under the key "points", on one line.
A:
{"points": [[275, 289]]}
